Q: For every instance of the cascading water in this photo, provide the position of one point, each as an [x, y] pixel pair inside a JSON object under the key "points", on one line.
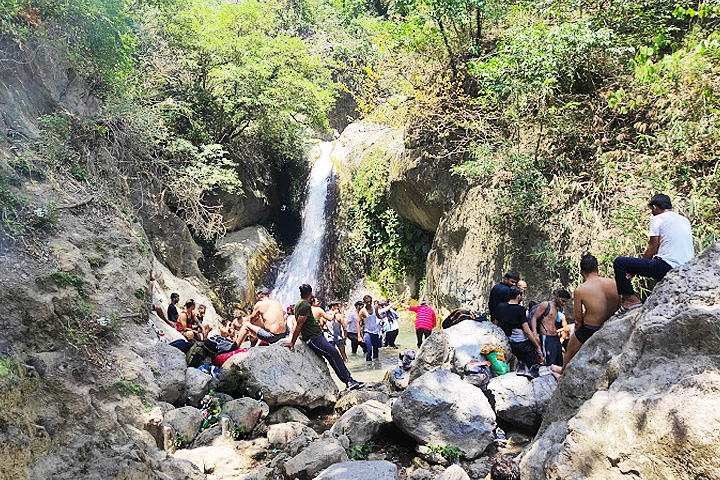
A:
{"points": [[302, 266]]}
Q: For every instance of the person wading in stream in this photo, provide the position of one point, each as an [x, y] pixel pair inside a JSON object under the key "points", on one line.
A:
{"points": [[593, 303], [266, 322], [371, 335], [353, 327], [313, 336]]}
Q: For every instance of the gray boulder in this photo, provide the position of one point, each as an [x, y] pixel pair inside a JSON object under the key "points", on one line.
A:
{"points": [[440, 408], [640, 397], [169, 368], [357, 397], [287, 414], [360, 470], [244, 412], [207, 437], [197, 385], [282, 376], [185, 422], [317, 456], [454, 472], [282, 434], [454, 347], [519, 401], [362, 422]]}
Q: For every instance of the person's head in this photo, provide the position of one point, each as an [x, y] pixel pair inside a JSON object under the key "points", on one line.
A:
{"points": [[358, 305], [562, 296], [305, 291], [201, 309], [334, 306], [588, 264], [190, 304], [238, 313], [522, 285], [289, 310], [660, 203], [511, 279], [515, 293], [367, 300], [174, 297], [262, 293], [504, 467]]}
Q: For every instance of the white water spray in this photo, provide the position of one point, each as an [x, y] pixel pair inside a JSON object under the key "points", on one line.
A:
{"points": [[303, 265]]}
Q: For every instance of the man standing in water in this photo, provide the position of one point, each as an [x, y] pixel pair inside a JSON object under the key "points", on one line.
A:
{"points": [[313, 336], [593, 303], [371, 337], [353, 328], [266, 322]]}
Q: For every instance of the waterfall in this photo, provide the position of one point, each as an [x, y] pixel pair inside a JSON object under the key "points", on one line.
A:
{"points": [[302, 266]]}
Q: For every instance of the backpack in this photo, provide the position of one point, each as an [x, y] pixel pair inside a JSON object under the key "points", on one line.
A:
{"points": [[217, 344], [181, 345], [457, 316], [532, 311], [195, 355]]}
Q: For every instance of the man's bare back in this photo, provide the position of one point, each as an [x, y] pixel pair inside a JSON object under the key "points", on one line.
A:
{"points": [[595, 301], [272, 315]]}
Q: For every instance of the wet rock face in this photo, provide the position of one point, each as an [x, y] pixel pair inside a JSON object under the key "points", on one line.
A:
{"points": [[283, 377], [640, 397], [440, 408]]}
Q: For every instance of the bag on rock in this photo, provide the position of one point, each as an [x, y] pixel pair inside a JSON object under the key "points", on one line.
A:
{"points": [[195, 355], [181, 344], [217, 345], [224, 357]]}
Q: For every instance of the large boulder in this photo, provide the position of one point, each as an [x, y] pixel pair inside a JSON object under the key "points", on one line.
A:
{"points": [[362, 422], [640, 398], [282, 376], [454, 347], [287, 414], [242, 258], [282, 434], [454, 472], [360, 470], [185, 422], [519, 401], [440, 408], [317, 456]]}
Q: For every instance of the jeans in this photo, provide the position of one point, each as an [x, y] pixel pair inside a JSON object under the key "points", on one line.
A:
{"points": [[354, 342], [421, 332], [637, 266], [372, 340], [390, 338], [322, 347]]}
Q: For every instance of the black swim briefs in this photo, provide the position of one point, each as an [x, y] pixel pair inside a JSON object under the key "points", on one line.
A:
{"points": [[585, 332], [268, 337]]}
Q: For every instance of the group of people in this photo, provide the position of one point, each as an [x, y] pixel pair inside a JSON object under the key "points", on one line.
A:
{"points": [[541, 335]]}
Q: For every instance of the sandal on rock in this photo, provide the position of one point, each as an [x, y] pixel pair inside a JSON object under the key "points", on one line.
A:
{"points": [[623, 309]]}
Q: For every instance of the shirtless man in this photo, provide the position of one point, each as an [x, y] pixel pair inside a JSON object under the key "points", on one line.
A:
{"points": [[593, 303], [544, 324], [266, 322]]}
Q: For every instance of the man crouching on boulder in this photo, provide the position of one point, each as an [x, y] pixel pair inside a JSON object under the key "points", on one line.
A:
{"points": [[593, 303], [266, 322], [313, 336]]}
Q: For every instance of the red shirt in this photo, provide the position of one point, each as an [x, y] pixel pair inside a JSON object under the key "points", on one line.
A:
{"points": [[425, 317]]}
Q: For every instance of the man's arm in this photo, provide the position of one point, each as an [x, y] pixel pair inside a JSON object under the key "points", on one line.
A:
{"points": [[577, 308], [255, 313], [652, 248], [296, 333], [532, 336], [361, 317]]}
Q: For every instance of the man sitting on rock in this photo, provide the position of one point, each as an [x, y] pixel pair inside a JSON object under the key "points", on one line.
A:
{"points": [[593, 303], [670, 246], [313, 336], [544, 323], [172, 311], [501, 293], [266, 322], [512, 318]]}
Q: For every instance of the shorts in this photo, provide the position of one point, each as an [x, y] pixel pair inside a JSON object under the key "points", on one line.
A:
{"points": [[338, 342], [552, 350], [584, 332], [268, 337]]}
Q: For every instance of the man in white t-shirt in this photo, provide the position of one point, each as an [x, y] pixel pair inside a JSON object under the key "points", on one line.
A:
{"points": [[670, 246]]}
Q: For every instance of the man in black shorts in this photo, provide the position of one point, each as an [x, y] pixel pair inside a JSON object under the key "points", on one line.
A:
{"points": [[266, 322], [543, 323]]}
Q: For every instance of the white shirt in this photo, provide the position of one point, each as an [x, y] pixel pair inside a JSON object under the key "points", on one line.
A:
{"points": [[371, 322], [676, 240]]}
